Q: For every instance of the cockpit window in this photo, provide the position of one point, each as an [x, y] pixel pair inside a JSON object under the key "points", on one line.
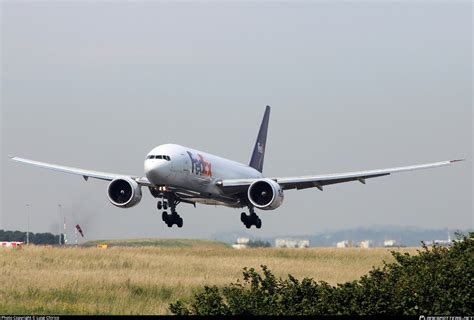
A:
{"points": [[167, 158]]}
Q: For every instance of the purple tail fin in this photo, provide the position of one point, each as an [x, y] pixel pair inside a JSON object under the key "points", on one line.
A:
{"points": [[259, 150]]}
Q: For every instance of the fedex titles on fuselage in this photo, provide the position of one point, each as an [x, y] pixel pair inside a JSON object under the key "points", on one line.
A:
{"points": [[199, 166]]}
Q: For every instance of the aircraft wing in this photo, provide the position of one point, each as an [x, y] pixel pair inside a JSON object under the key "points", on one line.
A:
{"points": [[319, 181], [86, 174]]}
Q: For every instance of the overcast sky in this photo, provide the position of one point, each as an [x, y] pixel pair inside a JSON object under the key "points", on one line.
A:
{"points": [[353, 86]]}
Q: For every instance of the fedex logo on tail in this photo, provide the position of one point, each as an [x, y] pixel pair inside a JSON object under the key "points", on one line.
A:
{"points": [[199, 166]]}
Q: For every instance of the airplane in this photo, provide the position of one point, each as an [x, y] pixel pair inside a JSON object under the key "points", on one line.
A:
{"points": [[176, 174]]}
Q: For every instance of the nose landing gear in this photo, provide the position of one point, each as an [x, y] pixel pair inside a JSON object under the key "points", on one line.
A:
{"points": [[251, 220], [162, 205]]}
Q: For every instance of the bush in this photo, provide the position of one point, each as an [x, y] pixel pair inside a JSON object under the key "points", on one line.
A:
{"points": [[436, 281]]}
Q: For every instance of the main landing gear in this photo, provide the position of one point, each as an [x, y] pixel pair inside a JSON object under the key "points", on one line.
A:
{"points": [[174, 217], [251, 220]]}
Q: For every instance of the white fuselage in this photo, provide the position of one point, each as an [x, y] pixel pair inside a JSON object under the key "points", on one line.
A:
{"points": [[177, 166]]}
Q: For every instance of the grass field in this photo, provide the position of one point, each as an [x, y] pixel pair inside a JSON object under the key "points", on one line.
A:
{"points": [[144, 276]]}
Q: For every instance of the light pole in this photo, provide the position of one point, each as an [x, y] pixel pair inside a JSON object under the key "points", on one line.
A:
{"points": [[75, 234], [65, 231], [27, 224], [59, 226]]}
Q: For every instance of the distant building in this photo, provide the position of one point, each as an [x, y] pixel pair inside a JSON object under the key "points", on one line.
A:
{"points": [[390, 243], [365, 244], [241, 243], [441, 243], [291, 243], [342, 244]]}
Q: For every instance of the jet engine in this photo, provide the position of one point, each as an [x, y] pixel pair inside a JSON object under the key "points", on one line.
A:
{"points": [[124, 193], [265, 194]]}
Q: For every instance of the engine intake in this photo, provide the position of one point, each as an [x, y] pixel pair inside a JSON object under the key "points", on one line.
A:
{"points": [[265, 194], [124, 193]]}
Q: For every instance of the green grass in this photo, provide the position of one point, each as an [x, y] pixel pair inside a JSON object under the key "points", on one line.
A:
{"points": [[162, 243], [144, 276]]}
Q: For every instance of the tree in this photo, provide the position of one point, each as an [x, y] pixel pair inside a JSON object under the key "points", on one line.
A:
{"points": [[258, 244], [35, 238]]}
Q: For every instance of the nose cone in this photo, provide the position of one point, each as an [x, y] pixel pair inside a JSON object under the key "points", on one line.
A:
{"points": [[157, 171]]}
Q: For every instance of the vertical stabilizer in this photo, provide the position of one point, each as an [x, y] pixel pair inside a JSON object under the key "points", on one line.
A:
{"points": [[260, 145]]}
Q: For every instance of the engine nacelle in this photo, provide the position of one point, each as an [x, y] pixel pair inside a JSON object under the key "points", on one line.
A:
{"points": [[124, 193], [265, 194]]}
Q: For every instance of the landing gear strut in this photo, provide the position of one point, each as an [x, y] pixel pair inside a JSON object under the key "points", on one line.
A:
{"points": [[251, 220], [174, 217]]}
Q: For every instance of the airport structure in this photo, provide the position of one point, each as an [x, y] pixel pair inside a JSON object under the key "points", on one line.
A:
{"points": [[365, 244], [390, 243], [442, 243], [241, 243], [11, 244], [291, 243], [343, 244]]}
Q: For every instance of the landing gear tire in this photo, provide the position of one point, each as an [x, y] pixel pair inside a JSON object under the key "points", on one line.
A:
{"points": [[251, 220], [159, 205], [165, 205], [172, 219], [179, 223]]}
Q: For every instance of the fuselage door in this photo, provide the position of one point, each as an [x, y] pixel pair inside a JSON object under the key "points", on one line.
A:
{"points": [[186, 164], [176, 164]]}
